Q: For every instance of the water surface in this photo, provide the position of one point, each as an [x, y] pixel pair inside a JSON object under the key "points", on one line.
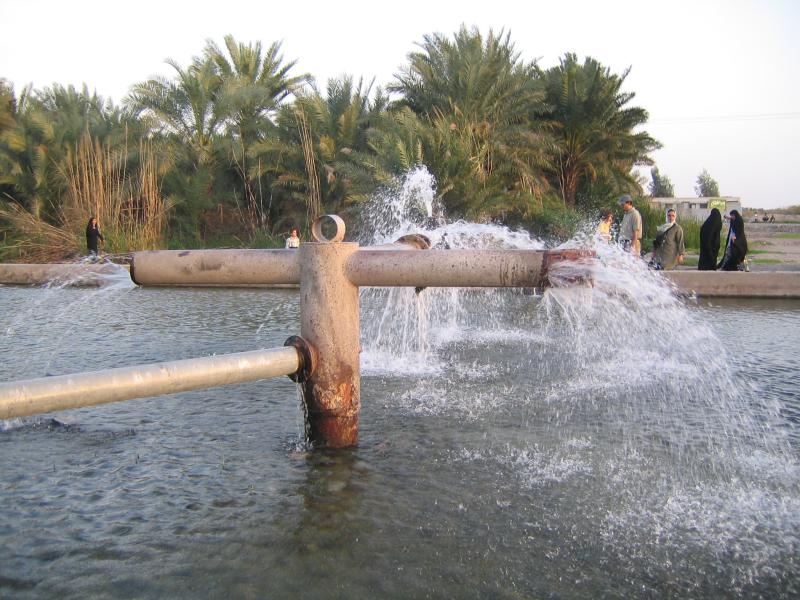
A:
{"points": [[527, 454]]}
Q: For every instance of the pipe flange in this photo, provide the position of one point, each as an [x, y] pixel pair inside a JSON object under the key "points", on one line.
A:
{"points": [[316, 229], [308, 358], [573, 255]]}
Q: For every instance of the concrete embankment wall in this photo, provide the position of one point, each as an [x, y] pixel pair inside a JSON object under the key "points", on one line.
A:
{"points": [[77, 274], [737, 284], [704, 284]]}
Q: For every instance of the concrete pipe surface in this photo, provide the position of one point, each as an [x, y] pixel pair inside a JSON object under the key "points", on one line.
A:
{"points": [[215, 267], [446, 268], [329, 321], [73, 274], [735, 284]]}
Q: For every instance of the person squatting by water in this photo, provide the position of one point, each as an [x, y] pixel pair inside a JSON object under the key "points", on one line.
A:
{"points": [[668, 247], [604, 227], [735, 245], [710, 232], [293, 241], [92, 236], [630, 230]]}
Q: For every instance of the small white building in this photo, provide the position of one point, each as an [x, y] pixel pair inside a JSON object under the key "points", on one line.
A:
{"points": [[697, 208]]}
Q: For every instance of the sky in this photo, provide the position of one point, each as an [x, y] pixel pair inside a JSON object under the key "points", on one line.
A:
{"points": [[718, 78]]}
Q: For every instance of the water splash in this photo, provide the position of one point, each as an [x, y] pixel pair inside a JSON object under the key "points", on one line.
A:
{"points": [[402, 327], [63, 307], [608, 377], [103, 274], [404, 206]]}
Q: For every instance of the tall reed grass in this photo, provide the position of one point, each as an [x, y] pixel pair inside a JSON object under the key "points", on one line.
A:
{"points": [[127, 204], [28, 238]]}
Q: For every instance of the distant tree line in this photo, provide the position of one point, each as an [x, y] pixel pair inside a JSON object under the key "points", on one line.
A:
{"points": [[237, 146], [661, 185]]}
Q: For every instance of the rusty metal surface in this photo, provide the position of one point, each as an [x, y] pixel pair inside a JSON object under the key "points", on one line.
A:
{"points": [[215, 267], [445, 268], [579, 272], [333, 431], [308, 358]]}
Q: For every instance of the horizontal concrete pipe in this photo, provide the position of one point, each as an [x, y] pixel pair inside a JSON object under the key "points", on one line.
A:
{"points": [[74, 274], [215, 267]]}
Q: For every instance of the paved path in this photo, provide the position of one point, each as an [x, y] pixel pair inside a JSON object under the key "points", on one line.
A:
{"points": [[774, 246]]}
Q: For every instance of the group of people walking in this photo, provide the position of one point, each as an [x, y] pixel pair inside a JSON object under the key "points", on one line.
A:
{"points": [[669, 247], [735, 243]]}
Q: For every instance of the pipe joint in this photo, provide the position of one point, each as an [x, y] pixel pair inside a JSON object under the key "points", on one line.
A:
{"points": [[308, 358], [566, 266]]}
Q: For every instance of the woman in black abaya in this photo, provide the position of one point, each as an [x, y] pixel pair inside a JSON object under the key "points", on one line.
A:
{"points": [[709, 241], [736, 245], [92, 235]]}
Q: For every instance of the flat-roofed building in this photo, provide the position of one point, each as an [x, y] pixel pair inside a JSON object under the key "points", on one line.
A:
{"points": [[697, 208]]}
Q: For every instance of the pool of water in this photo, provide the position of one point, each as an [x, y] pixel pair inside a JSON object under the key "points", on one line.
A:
{"points": [[524, 449]]}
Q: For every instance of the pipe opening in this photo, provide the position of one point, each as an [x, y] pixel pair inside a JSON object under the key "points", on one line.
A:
{"points": [[328, 225]]}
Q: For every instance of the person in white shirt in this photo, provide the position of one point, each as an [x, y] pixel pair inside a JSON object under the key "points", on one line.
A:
{"points": [[293, 241]]}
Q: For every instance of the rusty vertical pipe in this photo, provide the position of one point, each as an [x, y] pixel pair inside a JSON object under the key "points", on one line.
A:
{"points": [[329, 321]]}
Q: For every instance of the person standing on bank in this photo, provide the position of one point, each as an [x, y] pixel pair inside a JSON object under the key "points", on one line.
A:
{"points": [[92, 236], [668, 247], [630, 230], [293, 241], [736, 244], [709, 241]]}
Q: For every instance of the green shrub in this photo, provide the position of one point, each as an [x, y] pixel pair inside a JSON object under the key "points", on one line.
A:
{"points": [[651, 219], [691, 233], [557, 224]]}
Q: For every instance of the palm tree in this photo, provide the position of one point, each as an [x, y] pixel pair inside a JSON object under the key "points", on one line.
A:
{"points": [[480, 101], [480, 79], [316, 154], [43, 133], [185, 108], [594, 137], [253, 86], [26, 144], [398, 141], [186, 122]]}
